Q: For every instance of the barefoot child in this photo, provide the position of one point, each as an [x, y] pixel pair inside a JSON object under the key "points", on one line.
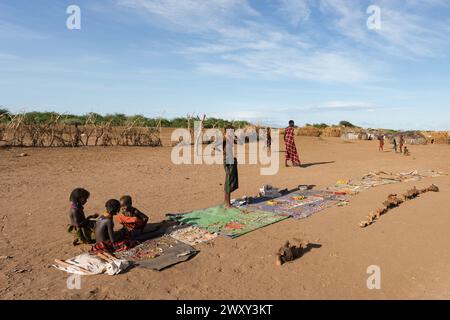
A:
{"points": [[401, 143], [81, 227], [381, 142], [133, 220], [105, 238], [406, 151], [230, 164]]}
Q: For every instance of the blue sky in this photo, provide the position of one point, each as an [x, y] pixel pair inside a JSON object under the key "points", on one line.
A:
{"points": [[266, 61]]}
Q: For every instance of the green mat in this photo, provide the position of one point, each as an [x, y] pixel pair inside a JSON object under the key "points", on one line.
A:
{"points": [[232, 222]]}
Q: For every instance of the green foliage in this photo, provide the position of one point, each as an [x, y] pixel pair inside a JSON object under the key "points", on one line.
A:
{"points": [[346, 124], [119, 119], [4, 115], [39, 117], [320, 125]]}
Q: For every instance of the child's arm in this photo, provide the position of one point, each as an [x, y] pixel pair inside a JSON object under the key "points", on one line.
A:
{"points": [[143, 217], [92, 216]]}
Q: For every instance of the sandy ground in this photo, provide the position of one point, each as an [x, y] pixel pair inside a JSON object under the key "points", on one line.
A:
{"points": [[410, 244]]}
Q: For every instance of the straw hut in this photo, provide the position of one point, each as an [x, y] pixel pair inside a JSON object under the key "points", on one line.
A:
{"points": [[335, 132], [438, 137], [413, 137], [308, 131]]}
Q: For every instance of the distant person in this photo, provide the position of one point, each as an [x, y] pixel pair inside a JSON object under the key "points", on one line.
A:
{"points": [[291, 149], [406, 151], [133, 220], [80, 226], [401, 143], [230, 165], [394, 144], [269, 138], [105, 238], [381, 142]]}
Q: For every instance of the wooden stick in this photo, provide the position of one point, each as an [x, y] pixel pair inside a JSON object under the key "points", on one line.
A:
{"points": [[68, 265]]}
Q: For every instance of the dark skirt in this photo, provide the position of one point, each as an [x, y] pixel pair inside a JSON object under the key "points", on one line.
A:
{"points": [[231, 177]]}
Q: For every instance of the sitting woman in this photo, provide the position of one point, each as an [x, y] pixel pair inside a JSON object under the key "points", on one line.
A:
{"points": [[133, 220], [81, 227]]}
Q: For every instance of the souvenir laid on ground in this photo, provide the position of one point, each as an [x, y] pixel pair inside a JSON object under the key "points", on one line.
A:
{"points": [[87, 264], [374, 179], [298, 204], [269, 192], [394, 201], [289, 252], [192, 235], [158, 253], [341, 188], [231, 222]]}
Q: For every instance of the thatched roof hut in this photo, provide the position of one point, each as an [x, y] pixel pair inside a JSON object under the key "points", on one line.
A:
{"points": [[332, 132], [308, 131], [438, 137], [413, 137]]}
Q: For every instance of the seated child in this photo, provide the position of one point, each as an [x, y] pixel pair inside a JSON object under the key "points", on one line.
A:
{"points": [[105, 238], [133, 220], [81, 227], [406, 151]]}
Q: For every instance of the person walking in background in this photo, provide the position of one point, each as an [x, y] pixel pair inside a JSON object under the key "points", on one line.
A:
{"points": [[291, 149], [268, 138], [381, 141], [401, 143], [394, 144]]}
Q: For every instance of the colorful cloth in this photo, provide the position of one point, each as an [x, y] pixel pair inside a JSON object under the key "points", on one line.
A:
{"points": [[231, 222], [107, 246], [298, 204], [291, 149]]}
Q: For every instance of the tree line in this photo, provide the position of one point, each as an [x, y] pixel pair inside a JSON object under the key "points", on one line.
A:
{"points": [[117, 119]]}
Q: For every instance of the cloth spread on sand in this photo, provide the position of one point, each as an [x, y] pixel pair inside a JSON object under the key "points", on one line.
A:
{"points": [[298, 204], [374, 179], [179, 253], [231, 222], [86, 264], [158, 253], [192, 235], [291, 149]]}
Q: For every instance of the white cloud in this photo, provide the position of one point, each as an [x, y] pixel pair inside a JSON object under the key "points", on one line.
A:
{"points": [[10, 30], [296, 11], [235, 40], [7, 57], [193, 15], [406, 29], [343, 106]]}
